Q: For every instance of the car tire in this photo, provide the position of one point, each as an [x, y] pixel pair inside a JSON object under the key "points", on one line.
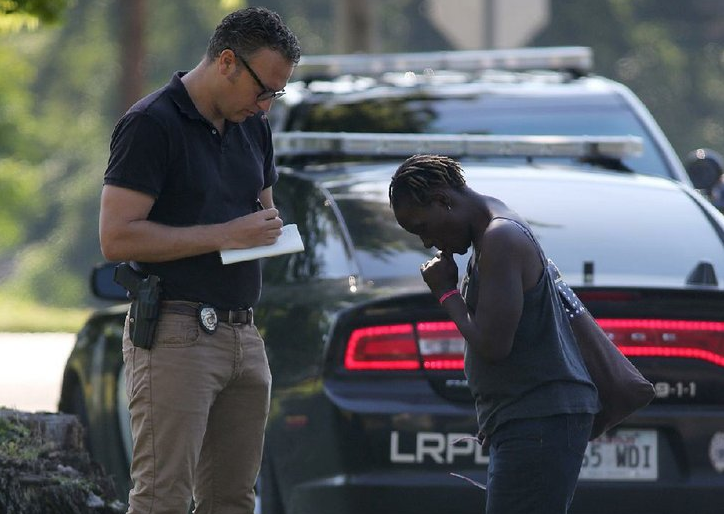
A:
{"points": [[76, 406], [123, 415]]}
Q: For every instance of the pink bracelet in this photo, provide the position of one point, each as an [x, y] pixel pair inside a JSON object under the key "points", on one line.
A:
{"points": [[448, 295]]}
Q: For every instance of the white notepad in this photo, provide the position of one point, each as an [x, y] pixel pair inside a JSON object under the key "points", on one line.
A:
{"points": [[289, 242]]}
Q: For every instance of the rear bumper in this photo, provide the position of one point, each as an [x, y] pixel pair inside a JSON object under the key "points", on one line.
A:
{"points": [[398, 492], [655, 498], [439, 492]]}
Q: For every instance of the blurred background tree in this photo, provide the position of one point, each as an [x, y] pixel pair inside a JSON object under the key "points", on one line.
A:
{"points": [[21, 159], [71, 68], [81, 76], [671, 54], [29, 14]]}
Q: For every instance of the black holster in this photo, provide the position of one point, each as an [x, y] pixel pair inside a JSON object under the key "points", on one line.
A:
{"points": [[145, 293]]}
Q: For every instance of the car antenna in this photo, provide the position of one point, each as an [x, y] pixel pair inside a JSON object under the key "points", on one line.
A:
{"points": [[588, 272], [703, 274]]}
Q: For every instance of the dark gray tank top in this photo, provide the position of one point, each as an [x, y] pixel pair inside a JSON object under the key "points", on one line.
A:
{"points": [[544, 373]]}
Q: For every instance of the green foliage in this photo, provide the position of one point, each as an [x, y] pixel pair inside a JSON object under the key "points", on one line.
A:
{"points": [[19, 201], [16, 15], [45, 10], [17, 442], [43, 270], [20, 176], [15, 100]]}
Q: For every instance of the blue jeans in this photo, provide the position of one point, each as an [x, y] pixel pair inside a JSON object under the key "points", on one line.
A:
{"points": [[534, 464]]}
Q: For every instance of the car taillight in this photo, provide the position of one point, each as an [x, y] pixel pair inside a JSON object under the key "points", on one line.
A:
{"points": [[689, 339], [438, 345], [395, 347], [388, 347]]}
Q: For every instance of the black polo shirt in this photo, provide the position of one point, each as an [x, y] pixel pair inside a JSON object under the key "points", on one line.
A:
{"points": [[163, 147]]}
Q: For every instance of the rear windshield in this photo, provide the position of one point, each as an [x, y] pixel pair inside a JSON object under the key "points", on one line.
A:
{"points": [[635, 235]]}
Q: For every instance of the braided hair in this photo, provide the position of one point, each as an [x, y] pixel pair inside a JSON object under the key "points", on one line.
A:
{"points": [[421, 174]]}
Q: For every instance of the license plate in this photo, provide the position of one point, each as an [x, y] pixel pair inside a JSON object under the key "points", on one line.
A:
{"points": [[622, 455]]}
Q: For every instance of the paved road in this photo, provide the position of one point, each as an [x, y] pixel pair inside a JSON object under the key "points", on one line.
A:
{"points": [[31, 370]]}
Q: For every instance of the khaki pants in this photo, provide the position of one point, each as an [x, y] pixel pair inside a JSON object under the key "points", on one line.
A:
{"points": [[198, 405]]}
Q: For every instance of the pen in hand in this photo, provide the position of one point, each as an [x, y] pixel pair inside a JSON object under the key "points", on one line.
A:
{"points": [[258, 206]]}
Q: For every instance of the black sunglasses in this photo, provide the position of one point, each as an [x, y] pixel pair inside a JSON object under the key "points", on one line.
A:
{"points": [[267, 93]]}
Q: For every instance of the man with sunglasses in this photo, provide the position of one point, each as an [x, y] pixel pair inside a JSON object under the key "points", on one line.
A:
{"points": [[190, 173]]}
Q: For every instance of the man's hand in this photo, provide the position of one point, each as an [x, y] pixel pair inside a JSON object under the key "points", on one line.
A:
{"points": [[260, 228], [440, 273]]}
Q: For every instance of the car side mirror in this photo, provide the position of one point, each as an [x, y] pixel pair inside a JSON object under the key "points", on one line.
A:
{"points": [[103, 285], [705, 167]]}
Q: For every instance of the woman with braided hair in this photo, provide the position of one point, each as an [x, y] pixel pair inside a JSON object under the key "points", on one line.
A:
{"points": [[533, 396]]}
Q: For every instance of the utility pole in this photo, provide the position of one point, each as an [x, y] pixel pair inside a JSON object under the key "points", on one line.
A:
{"points": [[489, 21], [354, 26], [133, 51]]}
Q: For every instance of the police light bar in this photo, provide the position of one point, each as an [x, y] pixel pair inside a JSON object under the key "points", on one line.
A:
{"points": [[576, 58], [320, 144]]}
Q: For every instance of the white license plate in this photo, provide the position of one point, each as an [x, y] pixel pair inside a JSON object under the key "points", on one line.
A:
{"points": [[622, 455]]}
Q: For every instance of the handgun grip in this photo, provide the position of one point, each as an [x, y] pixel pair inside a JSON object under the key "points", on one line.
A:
{"points": [[129, 278]]}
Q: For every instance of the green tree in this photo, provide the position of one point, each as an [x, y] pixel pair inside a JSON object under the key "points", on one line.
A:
{"points": [[23, 14], [20, 156]]}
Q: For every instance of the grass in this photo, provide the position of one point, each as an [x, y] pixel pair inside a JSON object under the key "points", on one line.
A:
{"points": [[19, 315], [16, 442]]}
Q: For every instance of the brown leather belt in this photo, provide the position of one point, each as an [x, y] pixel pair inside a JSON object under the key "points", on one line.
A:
{"points": [[233, 317]]}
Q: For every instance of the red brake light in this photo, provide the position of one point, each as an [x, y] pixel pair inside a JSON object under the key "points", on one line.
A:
{"points": [[441, 346], [668, 338], [388, 347], [395, 347]]}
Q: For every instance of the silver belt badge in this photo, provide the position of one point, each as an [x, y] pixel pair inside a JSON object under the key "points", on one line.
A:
{"points": [[208, 319]]}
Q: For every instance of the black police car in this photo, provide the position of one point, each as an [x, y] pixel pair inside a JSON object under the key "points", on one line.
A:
{"points": [[370, 409]]}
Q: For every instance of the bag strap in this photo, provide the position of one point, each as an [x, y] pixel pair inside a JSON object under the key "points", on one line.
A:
{"points": [[571, 303]]}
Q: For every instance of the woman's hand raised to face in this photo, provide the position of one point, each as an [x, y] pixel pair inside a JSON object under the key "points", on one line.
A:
{"points": [[440, 273]]}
